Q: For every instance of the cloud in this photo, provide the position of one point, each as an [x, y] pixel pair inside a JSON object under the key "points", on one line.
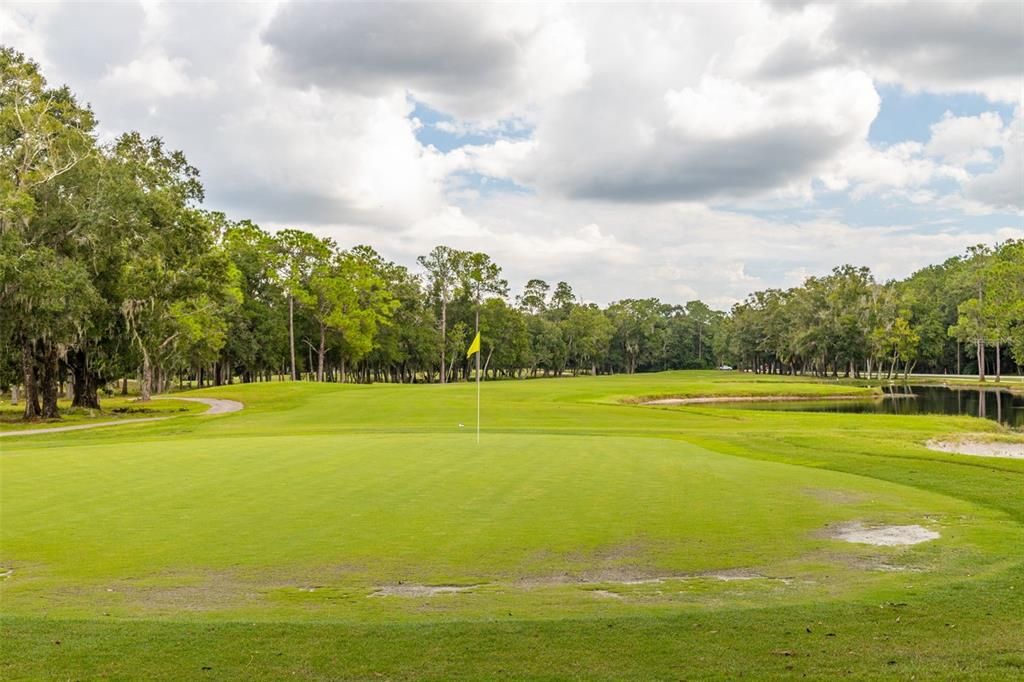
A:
{"points": [[716, 139], [964, 140], [937, 46], [669, 150], [464, 59], [155, 75], [1003, 188]]}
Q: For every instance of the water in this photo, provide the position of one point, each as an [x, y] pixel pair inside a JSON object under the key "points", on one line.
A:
{"points": [[995, 404]]}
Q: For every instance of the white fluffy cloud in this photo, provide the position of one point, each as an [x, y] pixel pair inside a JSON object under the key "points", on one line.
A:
{"points": [[156, 76], [966, 139], [1004, 186], [654, 150], [971, 46]]}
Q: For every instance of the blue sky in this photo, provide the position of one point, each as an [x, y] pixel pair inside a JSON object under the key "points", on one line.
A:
{"points": [[909, 115]]}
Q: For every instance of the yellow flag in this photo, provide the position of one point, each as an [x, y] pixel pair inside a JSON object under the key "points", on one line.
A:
{"points": [[474, 347]]}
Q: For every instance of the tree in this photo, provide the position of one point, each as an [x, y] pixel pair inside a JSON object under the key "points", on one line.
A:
{"points": [[974, 321], [44, 134], [587, 332], [300, 255], [479, 277], [257, 339], [562, 300], [533, 300], [349, 296], [505, 342], [1004, 304], [444, 266]]}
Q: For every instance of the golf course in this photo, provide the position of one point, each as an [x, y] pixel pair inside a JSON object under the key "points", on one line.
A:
{"points": [[333, 531]]}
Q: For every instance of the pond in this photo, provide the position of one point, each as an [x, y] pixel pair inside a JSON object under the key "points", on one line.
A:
{"points": [[996, 404]]}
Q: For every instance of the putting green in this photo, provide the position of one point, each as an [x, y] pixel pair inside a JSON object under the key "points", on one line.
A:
{"points": [[358, 526]]}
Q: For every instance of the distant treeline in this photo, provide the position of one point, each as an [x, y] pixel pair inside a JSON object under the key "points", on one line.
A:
{"points": [[963, 316], [110, 270]]}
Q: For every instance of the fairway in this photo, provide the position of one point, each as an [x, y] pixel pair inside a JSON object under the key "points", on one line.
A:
{"points": [[355, 507]]}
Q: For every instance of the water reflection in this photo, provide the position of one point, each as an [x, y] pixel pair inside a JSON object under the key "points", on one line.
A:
{"points": [[995, 404]]}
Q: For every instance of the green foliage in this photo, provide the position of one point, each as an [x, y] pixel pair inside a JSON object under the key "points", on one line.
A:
{"points": [[110, 269]]}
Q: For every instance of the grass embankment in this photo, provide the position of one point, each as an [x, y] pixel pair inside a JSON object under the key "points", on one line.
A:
{"points": [[358, 531]]}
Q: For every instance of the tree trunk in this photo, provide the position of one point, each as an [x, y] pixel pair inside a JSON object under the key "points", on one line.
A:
{"points": [[14, 394], [86, 386], [999, 369], [981, 360], [48, 385], [320, 352], [146, 385], [444, 336], [291, 333], [451, 365], [29, 378]]}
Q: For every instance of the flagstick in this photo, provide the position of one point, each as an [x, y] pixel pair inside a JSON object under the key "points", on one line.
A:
{"points": [[478, 379], [478, 398]]}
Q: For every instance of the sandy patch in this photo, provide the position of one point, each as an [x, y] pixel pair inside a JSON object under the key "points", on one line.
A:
{"points": [[412, 590], [217, 405], [606, 594], [883, 536], [752, 399], [625, 578], [833, 496], [978, 448]]}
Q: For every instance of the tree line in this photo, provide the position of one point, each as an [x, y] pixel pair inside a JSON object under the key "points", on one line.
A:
{"points": [[963, 316], [111, 270]]}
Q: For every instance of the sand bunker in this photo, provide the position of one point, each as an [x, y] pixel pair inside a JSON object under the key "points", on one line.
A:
{"points": [[978, 448], [751, 399], [217, 405], [883, 536]]}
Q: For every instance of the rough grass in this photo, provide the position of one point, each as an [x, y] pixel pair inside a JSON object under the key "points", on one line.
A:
{"points": [[584, 538]]}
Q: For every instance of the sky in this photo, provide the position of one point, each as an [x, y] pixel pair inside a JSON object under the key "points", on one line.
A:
{"points": [[695, 150]]}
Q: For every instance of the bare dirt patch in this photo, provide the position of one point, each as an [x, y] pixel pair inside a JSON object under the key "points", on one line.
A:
{"points": [[882, 536], [621, 577], [606, 594], [832, 496], [413, 590], [978, 448]]}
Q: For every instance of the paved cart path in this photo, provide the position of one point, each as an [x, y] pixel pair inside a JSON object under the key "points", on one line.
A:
{"points": [[217, 406]]}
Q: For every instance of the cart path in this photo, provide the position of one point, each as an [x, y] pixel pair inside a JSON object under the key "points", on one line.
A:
{"points": [[217, 406]]}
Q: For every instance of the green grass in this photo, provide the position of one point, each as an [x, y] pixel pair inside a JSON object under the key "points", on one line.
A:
{"points": [[585, 537], [112, 409]]}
